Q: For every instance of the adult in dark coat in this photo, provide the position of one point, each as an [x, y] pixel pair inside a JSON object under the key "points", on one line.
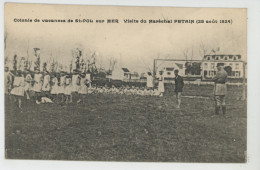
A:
{"points": [[179, 84]]}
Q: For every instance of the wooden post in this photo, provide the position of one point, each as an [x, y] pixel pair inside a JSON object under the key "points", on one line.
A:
{"points": [[244, 81]]}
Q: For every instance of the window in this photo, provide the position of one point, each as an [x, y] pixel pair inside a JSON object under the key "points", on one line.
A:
{"points": [[208, 58], [237, 66], [169, 69], [212, 73], [168, 73], [217, 58], [212, 65], [237, 74], [226, 57], [206, 65]]}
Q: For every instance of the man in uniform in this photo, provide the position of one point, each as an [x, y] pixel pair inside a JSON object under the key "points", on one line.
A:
{"points": [[220, 89], [179, 84]]}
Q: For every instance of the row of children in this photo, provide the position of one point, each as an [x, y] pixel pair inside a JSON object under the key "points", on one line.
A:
{"points": [[126, 90], [62, 87], [20, 84]]}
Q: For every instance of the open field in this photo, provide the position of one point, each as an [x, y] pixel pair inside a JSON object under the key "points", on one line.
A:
{"points": [[130, 128]]}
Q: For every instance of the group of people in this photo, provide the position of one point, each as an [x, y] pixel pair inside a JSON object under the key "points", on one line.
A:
{"points": [[63, 87], [179, 84], [45, 87]]}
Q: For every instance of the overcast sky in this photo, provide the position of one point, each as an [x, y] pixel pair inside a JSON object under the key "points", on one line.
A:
{"points": [[133, 45]]}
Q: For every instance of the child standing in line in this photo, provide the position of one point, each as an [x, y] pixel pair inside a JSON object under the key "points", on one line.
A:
{"points": [[28, 82], [75, 84], [62, 86], [161, 84], [68, 89], [18, 90], [88, 77], [46, 84], [37, 87], [83, 90], [55, 87]]}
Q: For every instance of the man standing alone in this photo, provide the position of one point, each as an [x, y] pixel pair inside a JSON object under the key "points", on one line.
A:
{"points": [[220, 89], [179, 84]]}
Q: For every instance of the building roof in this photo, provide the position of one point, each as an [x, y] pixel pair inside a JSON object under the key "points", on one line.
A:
{"points": [[179, 65], [125, 70], [222, 57]]}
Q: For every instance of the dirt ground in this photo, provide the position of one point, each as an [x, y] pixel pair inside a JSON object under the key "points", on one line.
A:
{"points": [[110, 127]]}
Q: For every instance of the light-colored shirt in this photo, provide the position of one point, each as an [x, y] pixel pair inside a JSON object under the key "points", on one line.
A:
{"points": [[149, 81]]}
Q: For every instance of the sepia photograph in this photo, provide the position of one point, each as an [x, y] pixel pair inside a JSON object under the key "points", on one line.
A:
{"points": [[125, 83]]}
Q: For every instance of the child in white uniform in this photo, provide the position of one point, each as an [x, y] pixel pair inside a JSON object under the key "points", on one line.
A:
{"points": [[55, 87], [88, 77], [46, 84], [83, 90], [37, 87], [68, 89], [28, 83], [75, 84], [161, 84], [18, 90], [62, 85]]}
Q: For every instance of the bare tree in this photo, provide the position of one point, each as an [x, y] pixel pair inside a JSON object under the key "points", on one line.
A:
{"points": [[186, 53], [112, 63], [203, 49], [191, 57]]}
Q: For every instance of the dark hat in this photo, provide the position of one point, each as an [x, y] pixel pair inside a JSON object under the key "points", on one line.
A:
{"points": [[220, 64]]}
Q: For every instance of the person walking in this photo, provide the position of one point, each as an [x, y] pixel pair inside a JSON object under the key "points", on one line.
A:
{"points": [[179, 84], [220, 89]]}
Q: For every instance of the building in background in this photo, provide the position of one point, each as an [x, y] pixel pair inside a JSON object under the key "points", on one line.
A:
{"points": [[232, 64], [168, 67]]}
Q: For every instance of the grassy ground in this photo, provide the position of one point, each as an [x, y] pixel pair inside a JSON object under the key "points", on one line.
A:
{"points": [[129, 128]]}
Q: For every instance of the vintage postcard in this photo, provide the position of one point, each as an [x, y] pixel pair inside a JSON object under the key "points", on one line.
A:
{"points": [[131, 84]]}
